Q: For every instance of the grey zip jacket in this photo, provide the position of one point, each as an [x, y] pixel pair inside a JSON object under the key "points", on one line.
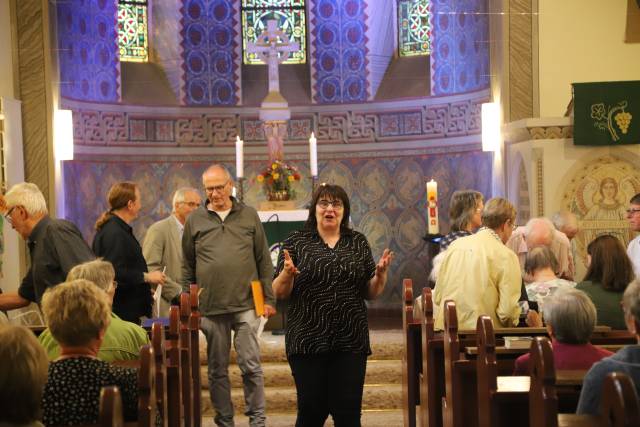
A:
{"points": [[223, 257]]}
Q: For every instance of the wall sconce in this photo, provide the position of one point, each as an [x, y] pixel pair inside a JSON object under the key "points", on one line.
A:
{"points": [[490, 126], [63, 135]]}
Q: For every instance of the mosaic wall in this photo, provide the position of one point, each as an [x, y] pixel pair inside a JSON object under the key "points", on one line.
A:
{"points": [[339, 60], [88, 50], [387, 197], [211, 52], [460, 50]]}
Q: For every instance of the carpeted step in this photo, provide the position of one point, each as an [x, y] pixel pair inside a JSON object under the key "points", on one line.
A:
{"points": [[279, 374], [370, 418], [283, 399]]}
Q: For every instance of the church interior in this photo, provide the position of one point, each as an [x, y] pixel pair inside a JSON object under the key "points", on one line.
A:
{"points": [[393, 94]]}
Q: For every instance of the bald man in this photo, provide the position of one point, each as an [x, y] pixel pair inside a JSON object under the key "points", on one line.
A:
{"points": [[541, 232]]}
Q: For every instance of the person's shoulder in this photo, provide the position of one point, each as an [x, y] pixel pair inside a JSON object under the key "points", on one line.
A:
{"points": [[634, 244]]}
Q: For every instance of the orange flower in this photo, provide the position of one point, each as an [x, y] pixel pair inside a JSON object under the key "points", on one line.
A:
{"points": [[260, 178], [276, 175], [274, 166], [291, 178]]}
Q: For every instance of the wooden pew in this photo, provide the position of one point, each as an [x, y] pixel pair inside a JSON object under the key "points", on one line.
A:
{"points": [[185, 359], [501, 400], [194, 331], [110, 414], [432, 388], [174, 375], [460, 403], [620, 406], [147, 388], [412, 354], [157, 342]]}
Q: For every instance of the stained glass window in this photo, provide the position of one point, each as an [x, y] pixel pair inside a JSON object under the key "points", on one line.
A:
{"points": [[133, 37], [290, 15], [414, 30]]}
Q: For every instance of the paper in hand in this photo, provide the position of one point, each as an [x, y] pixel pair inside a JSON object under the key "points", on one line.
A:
{"points": [[157, 295]]}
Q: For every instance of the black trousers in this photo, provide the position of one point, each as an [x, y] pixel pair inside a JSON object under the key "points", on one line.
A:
{"points": [[329, 384]]}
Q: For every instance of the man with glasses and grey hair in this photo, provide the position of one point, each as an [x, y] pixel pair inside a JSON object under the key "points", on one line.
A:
{"points": [[55, 245], [633, 216], [225, 248], [162, 246]]}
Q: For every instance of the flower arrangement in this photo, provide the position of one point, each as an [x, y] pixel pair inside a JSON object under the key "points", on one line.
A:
{"points": [[277, 180]]}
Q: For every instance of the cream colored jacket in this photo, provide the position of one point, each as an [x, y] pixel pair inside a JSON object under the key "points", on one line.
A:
{"points": [[482, 276]]}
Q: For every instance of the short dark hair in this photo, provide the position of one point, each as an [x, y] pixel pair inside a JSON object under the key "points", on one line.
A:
{"points": [[610, 265], [538, 258], [462, 206], [635, 200], [332, 192]]}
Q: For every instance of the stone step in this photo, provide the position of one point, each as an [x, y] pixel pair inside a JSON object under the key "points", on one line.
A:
{"points": [[279, 374], [370, 418], [385, 345], [283, 399]]}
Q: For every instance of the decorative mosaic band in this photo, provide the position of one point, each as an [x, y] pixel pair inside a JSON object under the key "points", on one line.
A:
{"points": [[122, 128]]}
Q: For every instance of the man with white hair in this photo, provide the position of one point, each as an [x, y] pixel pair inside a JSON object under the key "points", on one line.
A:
{"points": [[566, 222], [541, 232], [55, 245], [162, 246]]}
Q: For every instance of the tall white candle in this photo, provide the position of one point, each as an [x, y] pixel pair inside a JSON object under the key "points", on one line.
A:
{"points": [[313, 155], [432, 207], [239, 158]]}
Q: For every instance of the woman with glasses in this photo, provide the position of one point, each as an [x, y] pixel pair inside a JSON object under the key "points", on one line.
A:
{"points": [[608, 273], [327, 271], [114, 241]]}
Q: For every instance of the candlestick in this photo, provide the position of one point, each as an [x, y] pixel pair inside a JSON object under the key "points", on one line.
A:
{"points": [[239, 158], [313, 155], [432, 207], [241, 189]]}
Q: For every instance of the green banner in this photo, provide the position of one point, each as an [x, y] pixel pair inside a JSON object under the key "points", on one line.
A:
{"points": [[606, 113]]}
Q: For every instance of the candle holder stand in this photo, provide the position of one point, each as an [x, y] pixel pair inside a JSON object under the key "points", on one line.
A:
{"points": [[241, 188]]}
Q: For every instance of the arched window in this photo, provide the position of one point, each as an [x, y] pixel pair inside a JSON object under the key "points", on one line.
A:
{"points": [[291, 18], [414, 28], [133, 34]]}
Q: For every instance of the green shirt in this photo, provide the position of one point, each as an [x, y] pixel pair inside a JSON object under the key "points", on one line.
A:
{"points": [[122, 341], [607, 304]]}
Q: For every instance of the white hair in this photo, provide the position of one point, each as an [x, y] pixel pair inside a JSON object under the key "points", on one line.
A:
{"points": [[540, 227], [28, 196], [564, 219], [179, 195]]}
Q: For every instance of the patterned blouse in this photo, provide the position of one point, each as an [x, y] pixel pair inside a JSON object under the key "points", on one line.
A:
{"points": [[452, 237], [72, 393], [327, 312]]}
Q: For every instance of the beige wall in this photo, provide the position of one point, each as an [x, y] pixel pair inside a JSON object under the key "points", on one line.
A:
{"points": [[580, 41], [6, 51]]}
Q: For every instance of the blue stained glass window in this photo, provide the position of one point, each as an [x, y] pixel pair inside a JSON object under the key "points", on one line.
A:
{"points": [[414, 29], [133, 36], [291, 18]]}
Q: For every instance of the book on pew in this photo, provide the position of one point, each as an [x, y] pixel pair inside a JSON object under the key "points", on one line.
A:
{"points": [[258, 297], [518, 342]]}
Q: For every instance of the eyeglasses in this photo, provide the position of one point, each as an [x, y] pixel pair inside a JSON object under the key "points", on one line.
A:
{"points": [[7, 216], [632, 211], [324, 204], [215, 188], [193, 204]]}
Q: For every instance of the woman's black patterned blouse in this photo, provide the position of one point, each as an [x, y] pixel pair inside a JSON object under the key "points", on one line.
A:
{"points": [[327, 312]]}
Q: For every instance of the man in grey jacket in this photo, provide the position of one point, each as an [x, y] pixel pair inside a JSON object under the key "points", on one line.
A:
{"points": [[162, 247], [224, 249]]}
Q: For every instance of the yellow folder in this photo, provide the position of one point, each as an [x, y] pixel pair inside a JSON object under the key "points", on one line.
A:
{"points": [[258, 297]]}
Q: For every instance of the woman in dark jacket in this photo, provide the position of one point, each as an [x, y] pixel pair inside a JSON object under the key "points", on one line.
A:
{"points": [[115, 242]]}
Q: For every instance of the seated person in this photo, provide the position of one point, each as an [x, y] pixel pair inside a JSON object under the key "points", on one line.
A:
{"points": [[123, 340], [609, 272], [78, 314], [571, 318], [626, 360], [541, 265], [22, 377]]}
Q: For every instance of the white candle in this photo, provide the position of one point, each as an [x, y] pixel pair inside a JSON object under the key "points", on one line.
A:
{"points": [[239, 158], [313, 155], [432, 207]]}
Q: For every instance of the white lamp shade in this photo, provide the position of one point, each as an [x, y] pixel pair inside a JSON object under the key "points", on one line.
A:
{"points": [[490, 126]]}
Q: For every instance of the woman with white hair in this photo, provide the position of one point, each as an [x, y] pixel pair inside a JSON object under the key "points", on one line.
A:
{"points": [[78, 314], [570, 317], [626, 360]]}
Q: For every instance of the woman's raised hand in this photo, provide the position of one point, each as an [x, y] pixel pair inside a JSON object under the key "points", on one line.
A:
{"points": [[289, 267], [384, 262]]}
